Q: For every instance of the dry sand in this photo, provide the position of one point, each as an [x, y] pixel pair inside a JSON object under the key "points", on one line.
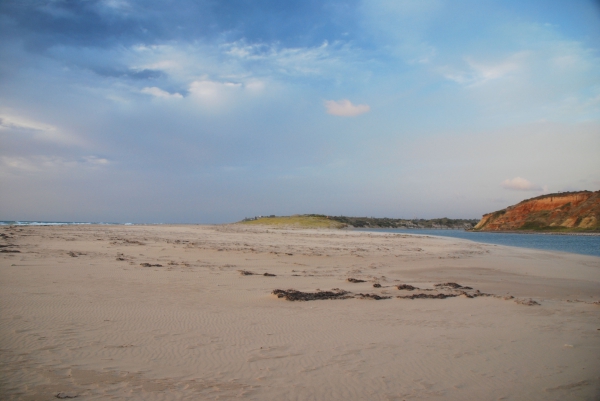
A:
{"points": [[81, 317]]}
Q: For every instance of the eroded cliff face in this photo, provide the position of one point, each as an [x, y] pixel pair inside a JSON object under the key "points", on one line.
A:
{"points": [[568, 210]]}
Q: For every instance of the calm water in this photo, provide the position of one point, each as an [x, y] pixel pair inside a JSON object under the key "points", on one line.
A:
{"points": [[582, 244], [53, 223]]}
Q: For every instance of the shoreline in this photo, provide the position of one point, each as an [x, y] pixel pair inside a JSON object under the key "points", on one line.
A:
{"points": [[9, 223], [484, 232], [540, 232]]}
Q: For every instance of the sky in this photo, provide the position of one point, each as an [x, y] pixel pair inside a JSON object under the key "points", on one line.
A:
{"points": [[164, 111]]}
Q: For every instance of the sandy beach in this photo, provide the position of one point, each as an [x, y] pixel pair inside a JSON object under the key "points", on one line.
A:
{"points": [[187, 312]]}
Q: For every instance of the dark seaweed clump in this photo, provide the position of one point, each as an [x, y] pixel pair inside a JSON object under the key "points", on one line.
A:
{"points": [[294, 295], [452, 285], [246, 273], [406, 287], [475, 294], [432, 296], [372, 296]]}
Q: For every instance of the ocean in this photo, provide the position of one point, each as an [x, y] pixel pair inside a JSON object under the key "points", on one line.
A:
{"points": [[54, 223], [581, 244]]}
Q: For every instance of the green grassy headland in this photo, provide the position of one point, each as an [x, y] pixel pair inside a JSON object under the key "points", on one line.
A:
{"points": [[322, 221], [298, 221]]}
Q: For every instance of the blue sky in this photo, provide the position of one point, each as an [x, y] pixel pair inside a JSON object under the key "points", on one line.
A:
{"points": [[211, 111]]}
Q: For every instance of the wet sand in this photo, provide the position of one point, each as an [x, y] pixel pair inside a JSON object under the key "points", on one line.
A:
{"points": [[187, 312]]}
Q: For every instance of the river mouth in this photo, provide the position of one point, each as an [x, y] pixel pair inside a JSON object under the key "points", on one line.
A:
{"points": [[579, 243]]}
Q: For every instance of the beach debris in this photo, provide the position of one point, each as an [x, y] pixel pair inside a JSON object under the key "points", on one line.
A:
{"points": [[356, 280], [377, 285], [150, 265], [528, 302], [125, 241], [246, 273], [372, 296], [72, 254], [9, 251], [431, 296], [294, 295], [478, 293], [454, 286], [406, 287], [270, 275], [64, 395]]}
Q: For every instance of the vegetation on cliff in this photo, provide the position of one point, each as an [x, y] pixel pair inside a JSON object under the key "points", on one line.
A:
{"points": [[565, 211], [384, 222], [299, 221], [322, 221]]}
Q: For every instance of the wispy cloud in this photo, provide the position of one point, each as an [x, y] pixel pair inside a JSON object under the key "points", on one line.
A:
{"points": [[16, 122], [39, 164], [479, 72], [295, 61], [38, 130], [345, 108], [208, 89]]}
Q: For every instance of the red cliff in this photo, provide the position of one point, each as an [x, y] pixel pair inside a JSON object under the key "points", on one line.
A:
{"points": [[568, 211]]}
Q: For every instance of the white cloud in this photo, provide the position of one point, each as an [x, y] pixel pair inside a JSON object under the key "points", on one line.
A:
{"points": [[112, 7], [218, 70], [271, 61], [207, 89], [116, 4], [520, 184], [49, 164], [157, 92], [94, 161], [345, 108]]}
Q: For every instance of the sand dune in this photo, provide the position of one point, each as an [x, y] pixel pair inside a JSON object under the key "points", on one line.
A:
{"points": [[163, 313]]}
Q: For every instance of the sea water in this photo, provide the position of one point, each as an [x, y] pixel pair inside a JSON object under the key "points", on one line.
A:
{"points": [[53, 223], [582, 244]]}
